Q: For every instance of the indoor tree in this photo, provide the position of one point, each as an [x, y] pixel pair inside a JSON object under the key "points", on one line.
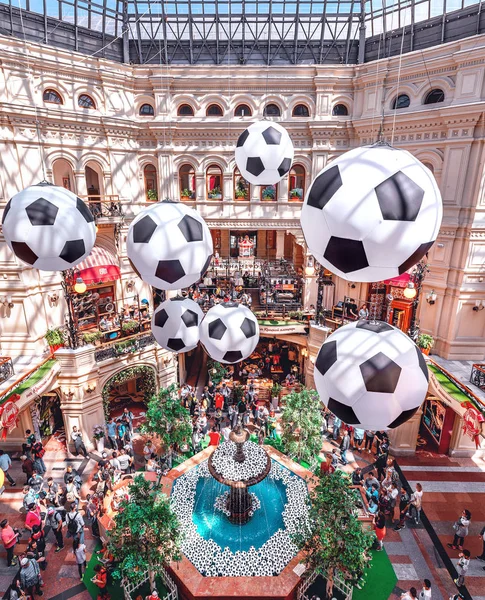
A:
{"points": [[302, 423], [168, 419], [332, 537], [145, 534]]}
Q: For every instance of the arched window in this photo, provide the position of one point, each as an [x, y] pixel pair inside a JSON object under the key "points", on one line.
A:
{"points": [[296, 183], [147, 110], [340, 110], [272, 110], [213, 182], [187, 182], [52, 96], [85, 101], [269, 193], [434, 96], [151, 187], [301, 110], [185, 110], [429, 166], [63, 174], [242, 188], [214, 110], [243, 110], [401, 101]]}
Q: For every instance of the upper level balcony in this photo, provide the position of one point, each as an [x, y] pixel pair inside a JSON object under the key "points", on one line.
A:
{"points": [[105, 208]]}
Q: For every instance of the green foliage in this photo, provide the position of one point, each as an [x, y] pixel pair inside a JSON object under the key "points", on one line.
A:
{"points": [[167, 418], [302, 422], [275, 390], [296, 193], [186, 193], [425, 341], [216, 371], [146, 377], [130, 327], [237, 392], [269, 192], [332, 537], [54, 336], [146, 533], [126, 346], [152, 195], [92, 336]]}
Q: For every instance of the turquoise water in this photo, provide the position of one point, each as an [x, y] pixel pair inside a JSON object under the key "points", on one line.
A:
{"points": [[213, 524]]}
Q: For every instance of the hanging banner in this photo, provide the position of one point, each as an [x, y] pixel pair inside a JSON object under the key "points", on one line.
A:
{"points": [[472, 424], [36, 390], [279, 329]]}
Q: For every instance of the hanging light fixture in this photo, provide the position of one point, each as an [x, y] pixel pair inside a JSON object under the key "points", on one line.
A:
{"points": [[410, 291], [310, 267], [80, 287]]}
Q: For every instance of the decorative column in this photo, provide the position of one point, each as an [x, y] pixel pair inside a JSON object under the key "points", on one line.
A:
{"points": [[310, 291], [283, 190], [80, 183], [200, 186], [280, 244], [227, 187], [403, 439]]}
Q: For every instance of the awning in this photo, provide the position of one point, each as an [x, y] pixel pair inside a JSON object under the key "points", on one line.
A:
{"points": [[99, 266], [399, 281]]}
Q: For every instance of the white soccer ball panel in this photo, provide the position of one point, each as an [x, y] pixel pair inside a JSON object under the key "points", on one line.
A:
{"points": [[175, 324], [229, 332], [48, 227], [170, 245], [411, 388], [383, 211], [376, 411]]}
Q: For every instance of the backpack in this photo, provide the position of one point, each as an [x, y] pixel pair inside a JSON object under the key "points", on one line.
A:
{"points": [[72, 525], [38, 449]]}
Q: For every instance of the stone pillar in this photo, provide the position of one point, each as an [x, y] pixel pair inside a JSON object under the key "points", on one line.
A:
{"points": [[200, 186], [280, 244], [310, 292], [403, 439], [227, 186], [225, 243], [261, 248], [318, 334], [283, 190], [80, 183]]}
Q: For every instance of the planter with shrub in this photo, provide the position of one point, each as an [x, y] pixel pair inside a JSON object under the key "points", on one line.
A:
{"points": [[92, 337], [55, 338], [130, 327], [425, 342]]}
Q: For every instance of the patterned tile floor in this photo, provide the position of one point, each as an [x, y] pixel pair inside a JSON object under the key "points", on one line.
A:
{"points": [[450, 485]]}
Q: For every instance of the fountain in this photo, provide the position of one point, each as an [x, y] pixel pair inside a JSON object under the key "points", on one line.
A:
{"points": [[239, 464]]}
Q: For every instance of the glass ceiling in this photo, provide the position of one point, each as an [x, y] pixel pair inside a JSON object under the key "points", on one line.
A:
{"points": [[226, 22]]}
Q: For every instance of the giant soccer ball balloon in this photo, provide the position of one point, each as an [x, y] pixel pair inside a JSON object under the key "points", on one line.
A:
{"points": [[48, 227], [371, 375], [372, 213], [229, 332], [169, 245], [175, 324], [264, 153]]}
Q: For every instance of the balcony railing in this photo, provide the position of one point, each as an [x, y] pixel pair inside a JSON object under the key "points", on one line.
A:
{"points": [[107, 206], [124, 346], [6, 368], [477, 376]]}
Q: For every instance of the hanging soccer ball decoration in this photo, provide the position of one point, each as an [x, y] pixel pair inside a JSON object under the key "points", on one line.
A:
{"points": [[371, 375], [175, 324], [372, 214], [48, 227], [169, 246], [229, 332], [264, 153]]}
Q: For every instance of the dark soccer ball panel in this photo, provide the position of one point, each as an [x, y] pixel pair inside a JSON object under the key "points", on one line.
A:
{"points": [[422, 363], [175, 324], [255, 165], [324, 187], [42, 212], [217, 329], [248, 328], [191, 229], [346, 255], [272, 136], [73, 251], [399, 198], [327, 356], [161, 317], [5, 210], [380, 374], [343, 412], [175, 344], [190, 318], [143, 230], [84, 210], [284, 167], [403, 417], [22, 250], [170, 270], [232, 356], [415, 257], [242, 138]]}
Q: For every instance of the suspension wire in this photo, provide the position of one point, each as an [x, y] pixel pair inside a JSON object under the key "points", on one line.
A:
{"points": [[380, 134], [376, 82], [398, 79]]}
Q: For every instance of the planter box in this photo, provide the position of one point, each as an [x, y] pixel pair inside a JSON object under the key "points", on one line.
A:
{"points": [[55, 347]]}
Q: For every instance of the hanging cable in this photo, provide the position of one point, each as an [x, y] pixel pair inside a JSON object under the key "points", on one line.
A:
{"points": [[398, 80]]}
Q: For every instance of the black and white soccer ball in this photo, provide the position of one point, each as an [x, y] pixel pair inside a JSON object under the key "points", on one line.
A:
{"points": [[264, 153], [229, 332], [372, 214], [169, 245], [48, 227], [371, 375], [175, 324]]}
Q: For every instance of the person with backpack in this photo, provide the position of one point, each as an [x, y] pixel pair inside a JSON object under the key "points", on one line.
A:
{"points": [[38, 455], [79, 551], [54, 521], [27, 467], [30, 577], [70, 472], [36, 481], [75, 524], [91, 512], [29, 442]]}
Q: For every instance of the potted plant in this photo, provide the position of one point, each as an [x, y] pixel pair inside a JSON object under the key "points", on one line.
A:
{"points": [[152, 195], [425, 342], [241, 194], [126, 347], [215, 193], [185, 195], [275, 395], [98, 435], [296, 194], [130, 327], [269, 193], [92, 337], [55, 338]]}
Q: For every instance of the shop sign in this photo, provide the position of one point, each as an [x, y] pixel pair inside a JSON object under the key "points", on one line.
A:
{"points": [[279, 329], [472, 424], [9, 413], [41, 386]]}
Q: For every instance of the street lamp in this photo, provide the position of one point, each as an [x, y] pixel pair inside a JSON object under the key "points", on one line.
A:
{"points": [[68, 288], [80, 287], [410, 291]]}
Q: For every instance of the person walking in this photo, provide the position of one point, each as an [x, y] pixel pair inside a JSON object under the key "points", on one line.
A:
{"points": [[79, 551], [77, 439], [336, 428], [461, 530], [33, 517], [482, 537], [369, 440], [29, 441], [75, 524], [27, 467], [5, 464], [416, 504], [54, 521], [462, 567], [38, 453], [111, 433], [128, 416], [358, 438], [425, 593], [9, 540], [380, 529], [344, 446], [404, 502], [30, 579]]}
